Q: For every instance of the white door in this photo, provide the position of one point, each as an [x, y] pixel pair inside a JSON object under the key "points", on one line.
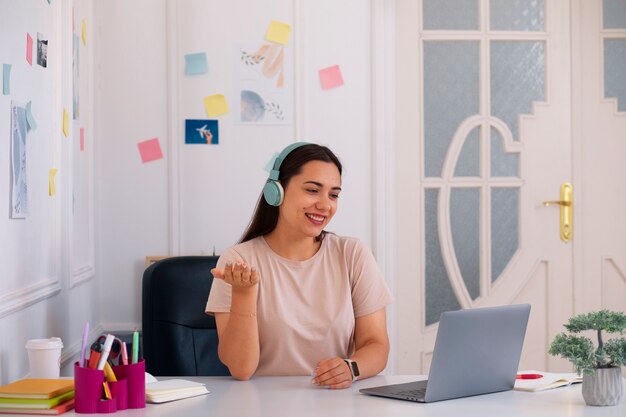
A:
{"points": [[600, 129], [483, 119]]}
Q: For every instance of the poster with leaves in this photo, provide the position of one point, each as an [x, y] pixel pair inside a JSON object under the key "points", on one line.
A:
{"points": [[263, 83]]}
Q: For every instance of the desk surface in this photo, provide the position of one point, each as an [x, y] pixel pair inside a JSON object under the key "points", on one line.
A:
{"points": [[296, 397]]}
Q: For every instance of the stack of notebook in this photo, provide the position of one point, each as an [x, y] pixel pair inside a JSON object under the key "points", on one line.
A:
{"points": [[37, 396]]}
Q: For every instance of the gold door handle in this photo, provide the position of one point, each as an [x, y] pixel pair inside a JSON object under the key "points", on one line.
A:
{"points": [[567, 210]]}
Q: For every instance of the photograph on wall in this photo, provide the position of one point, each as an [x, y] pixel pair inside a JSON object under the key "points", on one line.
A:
{"points": [[42, 50], [202, 132], [263, 84], [19, 185], [75, 84]]}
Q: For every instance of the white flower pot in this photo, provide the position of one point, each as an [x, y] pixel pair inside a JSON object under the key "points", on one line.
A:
{"points": [[604, 387]]}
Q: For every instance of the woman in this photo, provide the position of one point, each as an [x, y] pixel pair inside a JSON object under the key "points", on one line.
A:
{"points": [[293, 299]]}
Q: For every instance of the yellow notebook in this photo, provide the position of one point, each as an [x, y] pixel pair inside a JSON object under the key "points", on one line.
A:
{"points": [[41, 389]]}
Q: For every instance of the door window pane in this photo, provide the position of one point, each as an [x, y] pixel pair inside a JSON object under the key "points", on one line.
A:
{"points": [[468, 164], [615, 71], [439, 294], [504, 228], [502, 164], [451, 94], [517, 79], [614, 14], [517, 15], [450, 14], [465, 224]]}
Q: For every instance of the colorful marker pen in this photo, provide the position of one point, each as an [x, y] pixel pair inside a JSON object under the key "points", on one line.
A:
{"points": [[94, 355]]}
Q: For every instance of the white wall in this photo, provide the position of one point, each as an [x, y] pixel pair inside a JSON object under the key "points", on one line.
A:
{"points": [[199, 197], [47, 263]]}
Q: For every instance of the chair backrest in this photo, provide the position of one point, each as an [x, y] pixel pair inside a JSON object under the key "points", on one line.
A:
{"points": [[178, 337]]}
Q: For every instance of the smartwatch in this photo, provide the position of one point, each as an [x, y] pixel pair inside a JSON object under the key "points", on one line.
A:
{"points": [[354, 369]]}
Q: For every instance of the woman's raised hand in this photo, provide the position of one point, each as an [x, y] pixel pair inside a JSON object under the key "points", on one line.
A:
{"points": [[237, 274]]}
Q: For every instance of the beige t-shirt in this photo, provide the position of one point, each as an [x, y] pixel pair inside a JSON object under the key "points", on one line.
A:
{"points": [[306, 309]]}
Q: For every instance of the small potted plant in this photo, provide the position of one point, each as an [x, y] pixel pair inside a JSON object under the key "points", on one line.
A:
{"points": [[600, 366]]}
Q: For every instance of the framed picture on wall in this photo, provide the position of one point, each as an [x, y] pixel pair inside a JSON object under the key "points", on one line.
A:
{"points": [[19, 185]]}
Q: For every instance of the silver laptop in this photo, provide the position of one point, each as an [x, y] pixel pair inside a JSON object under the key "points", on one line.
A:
{"points": [[476, 352]]}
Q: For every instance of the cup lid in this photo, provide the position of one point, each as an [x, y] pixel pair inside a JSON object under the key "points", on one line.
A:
{"points": [[51, 343]]}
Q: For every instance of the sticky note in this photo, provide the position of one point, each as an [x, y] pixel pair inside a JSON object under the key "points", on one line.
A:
{"points": [[196, 64], [150, 150], [330, 77], [82, 138], [6, 79], [29, 49], [66, 123], [51, 185], [30, 119], [84, 32], [278, 32], [215, 105]]}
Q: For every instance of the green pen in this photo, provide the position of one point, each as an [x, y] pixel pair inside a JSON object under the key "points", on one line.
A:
{"points": [[135, 358]]}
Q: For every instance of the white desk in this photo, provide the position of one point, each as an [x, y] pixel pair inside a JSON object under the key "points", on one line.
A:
{"points": [[297, 397]]}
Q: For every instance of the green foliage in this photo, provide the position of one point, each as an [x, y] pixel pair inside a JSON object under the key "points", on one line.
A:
{"points": [[580, 350]]}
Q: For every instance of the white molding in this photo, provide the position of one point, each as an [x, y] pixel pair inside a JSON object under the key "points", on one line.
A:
{"points": [[382, 127], [82, 274], [19, 299], [173, 110]]}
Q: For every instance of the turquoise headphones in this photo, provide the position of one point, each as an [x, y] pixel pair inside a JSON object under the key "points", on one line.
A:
{"points": [[273, 191]]}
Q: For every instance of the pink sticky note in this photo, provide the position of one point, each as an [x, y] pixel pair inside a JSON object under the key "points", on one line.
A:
{"points": [[29, 49], [330, 77], [82, 138], [150, 150]]}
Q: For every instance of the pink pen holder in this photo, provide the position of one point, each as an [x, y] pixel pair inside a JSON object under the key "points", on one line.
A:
{"points": [[129, 391]]}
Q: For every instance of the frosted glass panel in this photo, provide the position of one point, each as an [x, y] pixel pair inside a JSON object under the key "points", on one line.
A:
{"points": [[465, 222], [517, 79], [517, 15], [614, 14], [439, 294], [502, 164], [504, 228], [468, 164], [451, 94], [615, 71], [450, 14]]}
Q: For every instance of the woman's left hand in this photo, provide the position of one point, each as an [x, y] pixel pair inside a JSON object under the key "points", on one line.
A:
{"points": [[333, 373]]}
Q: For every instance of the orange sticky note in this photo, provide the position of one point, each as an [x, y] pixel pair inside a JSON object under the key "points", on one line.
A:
{"points": [[66, 123], [331, 77], [215, 105], [29, 49], [278, 32], [150, 150], [51, 186]]}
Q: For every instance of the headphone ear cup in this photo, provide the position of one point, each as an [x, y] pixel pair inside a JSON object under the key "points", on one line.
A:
{"points": [[273, 193]]}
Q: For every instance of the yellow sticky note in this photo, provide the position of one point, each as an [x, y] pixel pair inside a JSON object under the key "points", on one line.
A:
{"points": [[215, 105], [84, 32], [51, 187], [66, 123], [278, 32]]}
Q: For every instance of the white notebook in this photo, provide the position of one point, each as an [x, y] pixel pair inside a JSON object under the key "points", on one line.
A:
{"points": [[173, 389], [547, 381]]}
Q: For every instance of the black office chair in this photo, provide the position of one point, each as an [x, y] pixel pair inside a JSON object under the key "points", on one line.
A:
{"points": [[179, 339]]}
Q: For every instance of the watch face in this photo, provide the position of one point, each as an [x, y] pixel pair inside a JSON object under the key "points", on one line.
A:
{"points": [[355, 369]]}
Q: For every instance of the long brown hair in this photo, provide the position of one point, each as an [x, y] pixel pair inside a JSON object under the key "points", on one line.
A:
{"points": [[265, 217]]}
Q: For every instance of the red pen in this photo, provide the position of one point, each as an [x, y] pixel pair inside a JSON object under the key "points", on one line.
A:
{"points": [[528, 376]]}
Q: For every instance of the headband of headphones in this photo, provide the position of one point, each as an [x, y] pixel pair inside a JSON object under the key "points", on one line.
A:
{"points": [[275, 172]]}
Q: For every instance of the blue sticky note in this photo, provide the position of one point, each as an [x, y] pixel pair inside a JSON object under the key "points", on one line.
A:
{"points": [[6, 79], [196, 64], [30, 119]]}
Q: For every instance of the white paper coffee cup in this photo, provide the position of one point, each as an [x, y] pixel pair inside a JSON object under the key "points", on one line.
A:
{"points": [[44, 357]]}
